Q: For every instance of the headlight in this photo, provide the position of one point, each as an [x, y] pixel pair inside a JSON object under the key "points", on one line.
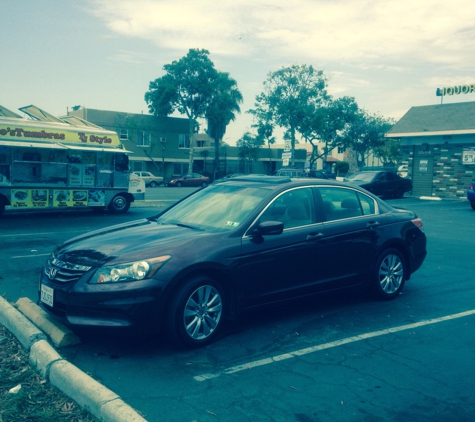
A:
{"points": [[131, 271]]}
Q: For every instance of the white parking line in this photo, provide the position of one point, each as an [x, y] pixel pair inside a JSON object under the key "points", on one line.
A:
{"points": [[30, 256], [313, 349]]}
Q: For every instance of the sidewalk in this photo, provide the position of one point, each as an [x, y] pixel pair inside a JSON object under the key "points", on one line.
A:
{"points": [[36, 330]]}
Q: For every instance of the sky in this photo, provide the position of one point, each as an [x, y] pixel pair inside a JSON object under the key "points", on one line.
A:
{"points": [[102, 54]]}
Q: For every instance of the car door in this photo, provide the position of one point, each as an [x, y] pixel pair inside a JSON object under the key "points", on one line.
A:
{"points": [[279, 267], [353, 229]]}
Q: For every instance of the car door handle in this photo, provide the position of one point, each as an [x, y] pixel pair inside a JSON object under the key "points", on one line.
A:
{"points": [[372, 224], [314, 236]]}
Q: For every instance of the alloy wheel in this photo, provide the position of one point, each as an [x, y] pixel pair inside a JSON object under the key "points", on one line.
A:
{"points": [[203, 311]]}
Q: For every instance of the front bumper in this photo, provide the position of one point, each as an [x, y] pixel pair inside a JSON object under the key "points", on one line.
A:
{"points": [[130, 304]]}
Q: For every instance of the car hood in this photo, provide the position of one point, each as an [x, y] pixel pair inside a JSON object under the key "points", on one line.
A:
{"points": [[127, 242]]}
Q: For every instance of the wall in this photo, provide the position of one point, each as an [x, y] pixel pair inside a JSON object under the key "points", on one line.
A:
{"points": [[445, 177]]}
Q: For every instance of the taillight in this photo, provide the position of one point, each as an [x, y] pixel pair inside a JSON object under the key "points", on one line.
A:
{"points": [[418, 222]]}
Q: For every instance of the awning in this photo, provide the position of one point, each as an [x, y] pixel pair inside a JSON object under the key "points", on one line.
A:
{"points": [[97, 149], [32, 144], [57, 145]]}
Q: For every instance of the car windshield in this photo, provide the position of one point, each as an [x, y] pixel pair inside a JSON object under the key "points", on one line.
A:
{"points": [[216, 208], [362, 177]]}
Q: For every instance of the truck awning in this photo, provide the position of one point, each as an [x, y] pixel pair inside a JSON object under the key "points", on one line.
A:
{"points": [[58, 145], [97, 149], [32, 144]]}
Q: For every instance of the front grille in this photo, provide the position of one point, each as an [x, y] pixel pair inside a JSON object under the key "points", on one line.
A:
{"points": [[64, 272]]}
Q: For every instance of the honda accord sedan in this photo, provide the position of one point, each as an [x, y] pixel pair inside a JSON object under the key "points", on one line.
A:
{"points": [[228, 247]]}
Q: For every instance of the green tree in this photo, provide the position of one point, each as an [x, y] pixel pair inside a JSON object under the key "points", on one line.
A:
{"points": [[388, 151], [328, 123], [221, 110], [187, 87], [249, 147], [265, 128], [288, 95], [366, 135]]}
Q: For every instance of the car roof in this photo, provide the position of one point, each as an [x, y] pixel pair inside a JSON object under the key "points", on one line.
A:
{"points": [[275, 181]]}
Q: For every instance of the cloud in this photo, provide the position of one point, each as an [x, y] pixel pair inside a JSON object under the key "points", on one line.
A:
{"points": [[349, 30]]}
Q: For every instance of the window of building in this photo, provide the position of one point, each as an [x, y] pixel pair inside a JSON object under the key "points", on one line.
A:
{"points": [[183, 140], [124, 134], [180, 168], [144, 139]]}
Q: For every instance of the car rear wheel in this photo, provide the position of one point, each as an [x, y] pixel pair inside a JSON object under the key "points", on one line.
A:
{"points": [[203, 184], [400, 193], [195, 316], [153, 184], [389, 276]]}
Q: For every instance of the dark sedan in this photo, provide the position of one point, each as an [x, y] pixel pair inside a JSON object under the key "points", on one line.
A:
{"points": [[193, 179], [382, 183], [228, 247]]}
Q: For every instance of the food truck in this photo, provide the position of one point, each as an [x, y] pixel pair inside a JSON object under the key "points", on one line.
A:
{"points": [[49, 162]]}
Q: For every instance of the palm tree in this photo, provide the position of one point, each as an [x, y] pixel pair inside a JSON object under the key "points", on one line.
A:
{"points": [[222, 110]]}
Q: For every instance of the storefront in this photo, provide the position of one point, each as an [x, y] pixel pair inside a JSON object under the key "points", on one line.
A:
{"points": [[438, 146]]}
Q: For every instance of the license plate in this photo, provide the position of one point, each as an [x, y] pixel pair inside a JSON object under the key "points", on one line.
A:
{"points": [[47, 294]]}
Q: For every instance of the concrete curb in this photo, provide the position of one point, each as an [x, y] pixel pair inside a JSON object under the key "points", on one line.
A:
{"points": [[87, 392], [59, 334]]}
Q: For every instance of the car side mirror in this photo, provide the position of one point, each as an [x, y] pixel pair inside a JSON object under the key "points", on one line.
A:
{"points": [[267, 228]]}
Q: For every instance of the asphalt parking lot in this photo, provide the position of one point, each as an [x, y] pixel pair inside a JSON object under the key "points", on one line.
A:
{"points": [[338, 357]]}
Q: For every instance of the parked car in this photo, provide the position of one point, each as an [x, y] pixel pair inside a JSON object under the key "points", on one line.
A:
{"points": [[229, 247], [290, 172], [471, 194], [381, 183], [193, 179], [321, 174], [230, 176], [149, 179]]}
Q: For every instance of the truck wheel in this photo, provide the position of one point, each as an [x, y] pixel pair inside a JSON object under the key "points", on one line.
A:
{"points": [[119, 205], [2, 205]]}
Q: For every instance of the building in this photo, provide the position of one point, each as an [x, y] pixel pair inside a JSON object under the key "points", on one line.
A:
{"points": [[438, 147], [161, 145]]}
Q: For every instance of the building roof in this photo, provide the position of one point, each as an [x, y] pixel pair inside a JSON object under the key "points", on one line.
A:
{"points": [[442, 119]]}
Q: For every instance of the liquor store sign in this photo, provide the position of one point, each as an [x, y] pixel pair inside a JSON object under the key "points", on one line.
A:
{"points": [[455, 90]]}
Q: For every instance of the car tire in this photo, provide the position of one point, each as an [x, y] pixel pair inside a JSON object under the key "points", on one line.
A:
{"points": [[179, 184], [472, 204], [119, 205], [400, 193], [196, 314], [204, 184], [153, 184], [389, 275]]}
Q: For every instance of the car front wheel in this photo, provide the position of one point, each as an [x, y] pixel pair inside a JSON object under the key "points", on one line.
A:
{"points": [[196, 313], [389, 276]]}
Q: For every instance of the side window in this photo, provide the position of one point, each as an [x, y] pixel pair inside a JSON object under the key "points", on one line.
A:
{"points": [[340, 203], [367, 204], [294, 208]]}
